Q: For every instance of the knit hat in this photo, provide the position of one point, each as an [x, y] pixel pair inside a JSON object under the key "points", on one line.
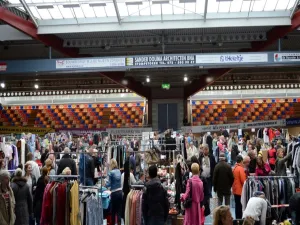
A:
{"points": [[222, 156], [3, 174], [18, 172]]}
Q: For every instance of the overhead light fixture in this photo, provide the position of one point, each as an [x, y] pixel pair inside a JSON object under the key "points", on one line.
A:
{"points": [[209, 79], [97, 4], [134, 3], [185, 78], [160, 2], [36, 86], [2, 85], [45, 6], [71, 6], [187, 1], [148, 79]]}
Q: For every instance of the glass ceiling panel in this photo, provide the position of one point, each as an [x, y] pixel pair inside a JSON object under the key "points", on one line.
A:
{"points": [[61, 9]]}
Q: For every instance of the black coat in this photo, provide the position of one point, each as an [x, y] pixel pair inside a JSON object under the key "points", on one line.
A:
{"points": [[67, 161], [212, 163], [223, 178], [155, 202], [234, 152], [23, 208], [295, 206], [38, 197]]}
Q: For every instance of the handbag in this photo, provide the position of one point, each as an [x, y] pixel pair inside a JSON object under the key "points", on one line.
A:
{"points": [[152, 157], [188, 202]]}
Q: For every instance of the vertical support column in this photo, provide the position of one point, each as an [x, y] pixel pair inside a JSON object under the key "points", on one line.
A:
{"points": [[185, 110], [149, 111]]}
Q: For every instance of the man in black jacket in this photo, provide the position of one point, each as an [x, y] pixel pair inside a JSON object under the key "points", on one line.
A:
{"points": [[295, 208], [155, 200], [67, 161], [207, 165], [223, 180]]}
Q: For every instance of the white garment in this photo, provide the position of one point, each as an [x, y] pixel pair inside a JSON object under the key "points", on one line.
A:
{"points": [[257, 209], [266, 137], [35, 169], [205, 168], [8, 151], [29, 182], [192, 151], [131, 179]]}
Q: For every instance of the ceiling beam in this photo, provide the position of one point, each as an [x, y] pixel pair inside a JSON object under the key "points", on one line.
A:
{"points": [[117, 11], [205, 10], [214, 74], [128, 82], [24, 4], [29, 28]]}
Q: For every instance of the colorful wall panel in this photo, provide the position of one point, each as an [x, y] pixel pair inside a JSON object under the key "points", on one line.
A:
{"points": [[74, 116], [236, 111]]}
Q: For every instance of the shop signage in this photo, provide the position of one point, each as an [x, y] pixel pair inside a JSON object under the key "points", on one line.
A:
{"points": [[19, 130], [80, 131], [234, 126], [90, 63], [287, 57], [293, 121], [128, 131], [232, 58], [160, 60], [3, 66]]}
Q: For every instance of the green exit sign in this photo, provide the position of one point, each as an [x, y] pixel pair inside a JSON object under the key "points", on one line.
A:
{"points": [[165, 86]]}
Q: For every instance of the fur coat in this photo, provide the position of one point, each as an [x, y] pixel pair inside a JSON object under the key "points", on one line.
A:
{"points": [[4, 214]]}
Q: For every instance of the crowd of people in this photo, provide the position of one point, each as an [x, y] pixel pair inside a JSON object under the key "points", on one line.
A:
{"points": [[221, 168]]}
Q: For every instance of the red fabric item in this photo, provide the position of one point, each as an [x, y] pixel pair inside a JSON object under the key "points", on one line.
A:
{"points": [[202, 216], [263, 171], [272, 156], [271, 134], [61, 204], [46, 216]]}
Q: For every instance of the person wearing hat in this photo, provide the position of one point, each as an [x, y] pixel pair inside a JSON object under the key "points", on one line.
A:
{"points": [[7, 200], [223, 180], [257, 208], [23, 199]]}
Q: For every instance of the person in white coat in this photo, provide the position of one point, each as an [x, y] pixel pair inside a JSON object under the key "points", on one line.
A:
{"points": [[192, 151], [257, 207]]}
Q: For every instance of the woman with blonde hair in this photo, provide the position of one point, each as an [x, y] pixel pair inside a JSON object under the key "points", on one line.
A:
{"points": [[222, 216], [49, 166], [195, 191], [114, 182]]}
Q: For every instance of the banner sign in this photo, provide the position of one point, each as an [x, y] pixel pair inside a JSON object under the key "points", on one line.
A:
{"points": [[234, 126], [232, 58], [128, 131], [293, 121], [3, 66], [160, 60], [90, 63], [19, 130], [287, 57], [80, 131]]}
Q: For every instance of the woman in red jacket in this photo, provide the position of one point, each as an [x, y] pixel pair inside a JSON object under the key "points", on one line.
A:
{"points": [[262, 168], [272, 156]]}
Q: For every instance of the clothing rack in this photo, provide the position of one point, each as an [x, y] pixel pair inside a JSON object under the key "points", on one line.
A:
{"points": [[137, 186], [64, 176], [261, 177]]}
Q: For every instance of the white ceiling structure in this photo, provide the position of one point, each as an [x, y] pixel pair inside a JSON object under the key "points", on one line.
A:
{"points": [[78, 16]]}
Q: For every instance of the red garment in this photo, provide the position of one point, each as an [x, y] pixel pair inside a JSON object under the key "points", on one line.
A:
{"points": [[272, 156], [263, 171], [61, 204], [271, 134], [46, 216]]}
